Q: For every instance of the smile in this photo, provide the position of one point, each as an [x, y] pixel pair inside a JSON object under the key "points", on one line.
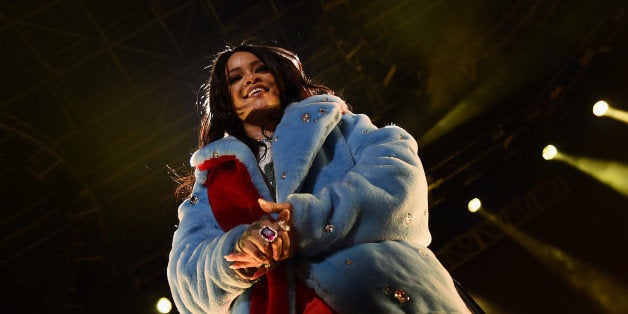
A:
{"points": [[254, 92]]}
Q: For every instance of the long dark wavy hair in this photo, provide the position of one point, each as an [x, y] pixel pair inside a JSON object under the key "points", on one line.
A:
{"points": [[219, 116]]}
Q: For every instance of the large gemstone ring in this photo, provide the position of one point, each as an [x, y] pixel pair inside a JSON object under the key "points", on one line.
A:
{"points": [[268, 234]]}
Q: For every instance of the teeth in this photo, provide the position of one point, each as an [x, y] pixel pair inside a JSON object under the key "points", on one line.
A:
{"points": [[255, 90]]}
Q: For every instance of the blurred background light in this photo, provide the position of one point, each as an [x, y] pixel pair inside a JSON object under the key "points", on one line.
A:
{"points": [[474, 205], [549, 152], [600, 108], [164, 305]]}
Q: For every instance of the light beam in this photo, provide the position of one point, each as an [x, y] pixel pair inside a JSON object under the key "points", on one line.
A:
{"points": [[617, 114], [607, 291], [611, 173]]}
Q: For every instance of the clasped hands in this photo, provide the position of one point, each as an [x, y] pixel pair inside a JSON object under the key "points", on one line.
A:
{"points": [[264, 243]]}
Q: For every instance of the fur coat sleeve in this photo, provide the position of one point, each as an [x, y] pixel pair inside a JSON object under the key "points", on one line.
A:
{"points": [[363, 183], [200, 278]]}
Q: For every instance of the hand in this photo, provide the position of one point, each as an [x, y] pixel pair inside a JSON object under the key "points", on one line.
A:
{"points": [[254, 256], [251, 250], [284, 221]]}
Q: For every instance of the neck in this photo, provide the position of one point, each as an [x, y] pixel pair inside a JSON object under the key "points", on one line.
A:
{"points": [[256, 132]]}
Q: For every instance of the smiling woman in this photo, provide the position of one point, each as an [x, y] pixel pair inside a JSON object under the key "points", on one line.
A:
{"points": [[298, 205], [253, 91]]}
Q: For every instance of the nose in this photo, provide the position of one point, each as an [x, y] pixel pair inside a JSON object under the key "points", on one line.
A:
{"points": [[252, 78]]}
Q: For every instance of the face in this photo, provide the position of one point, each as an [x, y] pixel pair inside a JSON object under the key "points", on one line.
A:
{"points": [[253, 90]]}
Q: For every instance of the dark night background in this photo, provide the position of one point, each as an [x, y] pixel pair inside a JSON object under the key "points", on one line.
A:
{"points": [[97, 100]]}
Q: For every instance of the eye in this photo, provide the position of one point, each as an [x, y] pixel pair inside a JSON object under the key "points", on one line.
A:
{"points": [[261, 69], [234, 78]]}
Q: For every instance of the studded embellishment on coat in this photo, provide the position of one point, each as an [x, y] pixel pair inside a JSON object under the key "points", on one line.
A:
{"points": [[322, 111], [401, 296], [325, 98], [329, 228], [283, 175], [193, 199], [306, 117], [408, 219], [215, 153], [348, 261], [422, 252], [398, 295]]}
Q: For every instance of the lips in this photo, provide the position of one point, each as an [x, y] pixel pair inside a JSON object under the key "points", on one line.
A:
{"points": [[255, 90]]}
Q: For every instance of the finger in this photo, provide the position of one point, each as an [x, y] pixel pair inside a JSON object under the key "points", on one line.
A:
{"points": [[259, 273], [241, 257], [241, 260], [270, 249], [262, 256], [285, 215], [262, 248], [271, 207], [251, 248], [240, 265], [233, 257], [286, 245], [277, 248], [253, 242]]}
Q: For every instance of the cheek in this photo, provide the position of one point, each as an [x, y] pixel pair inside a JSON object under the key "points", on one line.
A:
{"points": [[233, 92], [276, 90]]}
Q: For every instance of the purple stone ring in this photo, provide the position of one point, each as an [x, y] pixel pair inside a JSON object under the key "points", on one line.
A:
{"points": [[268, 234]]}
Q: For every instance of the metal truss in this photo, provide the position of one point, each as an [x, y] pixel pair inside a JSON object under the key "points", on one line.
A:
{"points": [[539, 198]]}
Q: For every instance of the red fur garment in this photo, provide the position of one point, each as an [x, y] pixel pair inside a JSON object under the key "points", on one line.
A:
{"points": [[231, 193]]}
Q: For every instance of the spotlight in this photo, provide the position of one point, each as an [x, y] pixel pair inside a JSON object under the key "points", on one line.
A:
{"points": [[474, 205], [600, 108], [549, 152], [164, 305]]}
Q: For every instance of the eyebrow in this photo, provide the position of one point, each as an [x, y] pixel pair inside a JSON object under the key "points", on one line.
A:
{"points": [[250, 64]]}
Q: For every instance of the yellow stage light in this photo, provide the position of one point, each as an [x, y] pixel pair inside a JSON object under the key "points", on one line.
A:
{"points": [[549, 152], [164, 305], [600, 108], [474, 205]]}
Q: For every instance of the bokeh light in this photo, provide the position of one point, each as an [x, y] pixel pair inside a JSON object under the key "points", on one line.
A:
{"points": [[549, 152], [164, 305], [600, 108], [474, 205]]}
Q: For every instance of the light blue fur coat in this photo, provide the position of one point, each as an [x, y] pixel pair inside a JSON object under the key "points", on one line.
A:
{"points": [[360, 219]]}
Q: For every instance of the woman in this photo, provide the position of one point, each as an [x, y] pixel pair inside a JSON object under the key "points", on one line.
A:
{"points": [[299, 205]]}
